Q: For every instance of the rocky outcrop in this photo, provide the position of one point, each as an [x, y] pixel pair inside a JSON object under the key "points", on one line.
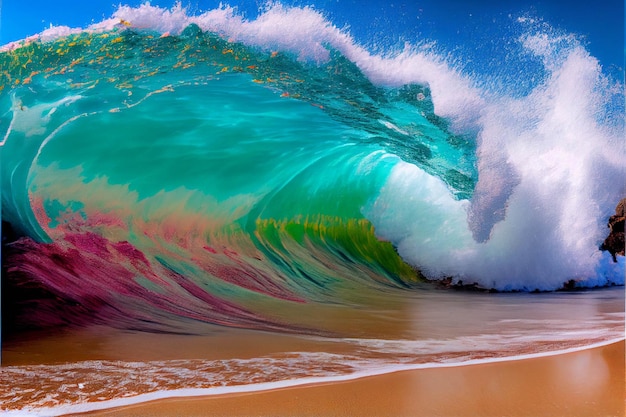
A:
{"points": [[614, 243]]}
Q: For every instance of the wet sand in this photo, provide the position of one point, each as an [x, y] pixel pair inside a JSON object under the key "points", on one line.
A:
{"points": [[587, 383], [82, 368]]}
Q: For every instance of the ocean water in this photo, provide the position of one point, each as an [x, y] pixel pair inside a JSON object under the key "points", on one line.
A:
{"points": [[170, 169]]}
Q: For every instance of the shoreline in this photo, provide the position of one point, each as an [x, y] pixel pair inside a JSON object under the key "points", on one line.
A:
{"points": [[574, 382], [487, 364]]}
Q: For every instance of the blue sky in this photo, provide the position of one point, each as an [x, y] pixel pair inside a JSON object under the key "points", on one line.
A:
{"points": [[601, 23]]}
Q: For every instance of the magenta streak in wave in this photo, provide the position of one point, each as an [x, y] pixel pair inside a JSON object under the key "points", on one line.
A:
{"points": [[132, 253], [233, 269], [83, 265], [213, 303], [228, 265], [101, 276], [209, 249]]}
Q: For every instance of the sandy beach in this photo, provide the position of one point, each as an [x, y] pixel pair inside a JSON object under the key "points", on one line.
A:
{"points": [[564, 358], [587, 383]]}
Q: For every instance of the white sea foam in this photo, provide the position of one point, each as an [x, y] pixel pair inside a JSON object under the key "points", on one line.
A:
{"points": [[308, 34], [551, 169], [98, 384], [373, 370]]}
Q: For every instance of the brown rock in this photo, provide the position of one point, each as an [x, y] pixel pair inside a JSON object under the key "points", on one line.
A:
{"points": [[615, 243]]}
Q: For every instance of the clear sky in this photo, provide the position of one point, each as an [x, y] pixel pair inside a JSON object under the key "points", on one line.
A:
{"points": [[601, 23]]}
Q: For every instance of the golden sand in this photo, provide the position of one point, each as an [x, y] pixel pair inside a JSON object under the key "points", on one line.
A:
{"points": [[587, 383]]}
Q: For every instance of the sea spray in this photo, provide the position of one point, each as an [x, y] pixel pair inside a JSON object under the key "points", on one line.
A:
{"points": [[550, 169]]}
